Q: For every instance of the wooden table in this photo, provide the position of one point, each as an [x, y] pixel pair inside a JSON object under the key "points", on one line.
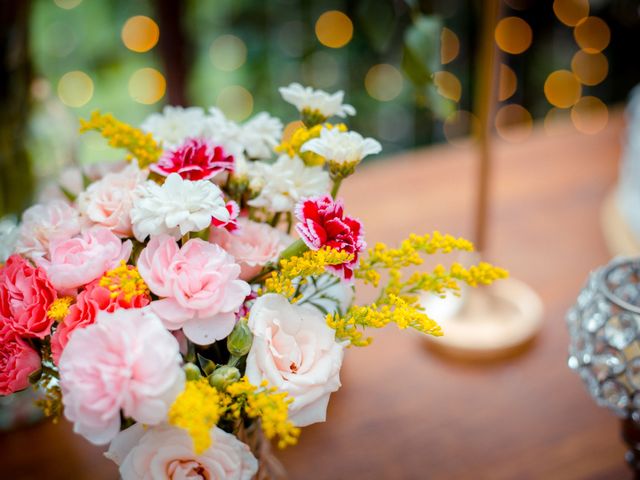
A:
{"points": [[405, 413]]}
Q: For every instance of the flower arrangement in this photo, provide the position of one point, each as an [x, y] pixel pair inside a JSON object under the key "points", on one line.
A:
{"points": [[175, 304]]}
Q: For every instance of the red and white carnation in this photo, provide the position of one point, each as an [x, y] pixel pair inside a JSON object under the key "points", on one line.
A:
{"points": [[322, 223], [195, 159]]}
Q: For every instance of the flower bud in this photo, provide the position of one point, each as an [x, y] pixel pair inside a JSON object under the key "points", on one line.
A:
{"points": [[224, 376], [192, 371], [240, 340]]}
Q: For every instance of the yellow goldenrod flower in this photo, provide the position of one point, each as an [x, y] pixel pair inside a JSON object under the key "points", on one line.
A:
{"points": [[140, 145], [268, 405], [59, 308], [197, 410], [303, 135], [124, 280], [299, 267]]}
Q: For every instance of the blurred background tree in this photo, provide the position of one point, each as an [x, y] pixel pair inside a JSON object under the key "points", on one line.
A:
{"points": [[406, 65]]}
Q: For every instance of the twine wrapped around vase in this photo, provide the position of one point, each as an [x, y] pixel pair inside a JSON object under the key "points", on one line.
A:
{"points": [[269, 467]]}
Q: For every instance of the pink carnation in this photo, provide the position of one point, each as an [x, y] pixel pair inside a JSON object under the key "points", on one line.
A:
{"points": [[81, 260], [200, 286], [18, 360], [253, 245], [322, 223], [195, 159], [25, 296], [126, 361]]}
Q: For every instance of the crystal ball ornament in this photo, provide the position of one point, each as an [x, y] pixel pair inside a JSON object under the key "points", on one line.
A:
{"points": [[604, 327]]}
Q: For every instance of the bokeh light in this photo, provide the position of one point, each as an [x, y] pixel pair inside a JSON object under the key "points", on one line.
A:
{"points": [[460, 126], [394, 122], [147, 86], [514, 123], [570, 12], [289, 38], [228, 53], [562, 89], [448, 85], [592, 34], [590, 68], [321, 69], [66, 4], [75, 88], [590, 115], [556, 122], [513, 35], [507, 82], [140, 34], [334, 29], [449, 46], [383, 82], [236, 102], [40, 88]]}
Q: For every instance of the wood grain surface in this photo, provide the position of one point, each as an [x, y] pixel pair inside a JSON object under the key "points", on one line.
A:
{"points": [[406, 413]]}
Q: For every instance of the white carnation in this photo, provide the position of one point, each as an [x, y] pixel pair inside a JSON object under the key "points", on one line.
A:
{"points": [[176, 207], [342, 147], [328, 104], [287, 181], [261, 135], [175, 124]]}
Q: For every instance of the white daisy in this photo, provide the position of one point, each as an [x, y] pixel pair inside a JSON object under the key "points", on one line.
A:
{"points": [[342, 148], [287, 181], [306, 98], [175, 124], [176, 207], [261, 134]]}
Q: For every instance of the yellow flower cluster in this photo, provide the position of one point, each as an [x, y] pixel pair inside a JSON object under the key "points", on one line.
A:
{"points": [[299, 267], [197, 410], [140, 145], [301, 136], [124, 280], [268, 405], [59, 308], [397, 310]]}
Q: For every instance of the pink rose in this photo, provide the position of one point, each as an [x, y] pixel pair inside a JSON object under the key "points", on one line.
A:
{"points": [[125, 361], [80, 260], [108, 201], [18, 360], [295, 351], [253, 245], [43, 224], [200, 286], [25, 296], [166, 453]]}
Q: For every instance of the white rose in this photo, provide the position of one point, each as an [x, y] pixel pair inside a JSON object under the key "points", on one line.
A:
{"points": [[295, 351], [166, 453]]}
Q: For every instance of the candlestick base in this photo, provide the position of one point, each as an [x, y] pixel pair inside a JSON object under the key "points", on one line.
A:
{"points": [[486, 323], [631, 436]]}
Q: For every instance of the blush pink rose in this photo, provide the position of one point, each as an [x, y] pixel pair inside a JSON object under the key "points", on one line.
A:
{"points": [[18, 360], [200, 286], [80, 260], [166, 453], [295, 351], [108, 201], [46, 223], [126, 361], [25, 296], [253, 245]]}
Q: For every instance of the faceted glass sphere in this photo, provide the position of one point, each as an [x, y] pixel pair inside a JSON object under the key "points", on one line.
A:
{"points": [[604, 325]]}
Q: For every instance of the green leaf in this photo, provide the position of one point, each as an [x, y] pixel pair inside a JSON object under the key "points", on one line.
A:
{"points": [[208, 366]]}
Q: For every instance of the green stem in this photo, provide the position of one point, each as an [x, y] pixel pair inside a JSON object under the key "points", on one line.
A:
{"points": [[296, 249], [185, 238], [336, 186], [233, 361], [289, 222]]}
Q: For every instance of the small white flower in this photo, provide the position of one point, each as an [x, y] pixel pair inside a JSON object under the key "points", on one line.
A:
{"points": [[8, 237], [176, 207], [286, 182], [261, 134], [342, 147], [316, 100], [175, 124]]}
